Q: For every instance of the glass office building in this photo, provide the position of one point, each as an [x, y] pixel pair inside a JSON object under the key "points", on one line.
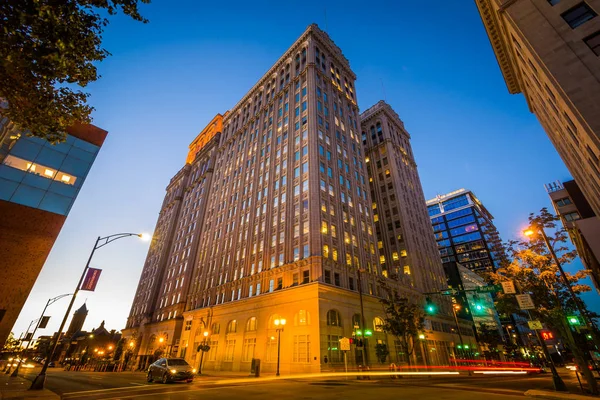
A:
{"points": [[39, 182], [41, 175], [464, 231]]}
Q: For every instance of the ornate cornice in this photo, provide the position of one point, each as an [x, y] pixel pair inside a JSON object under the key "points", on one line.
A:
{"points": [[498, 40]]}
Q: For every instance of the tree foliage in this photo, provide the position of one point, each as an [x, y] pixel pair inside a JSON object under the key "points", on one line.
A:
{"points": [[403, 319], [534, 272], [48, 49]]}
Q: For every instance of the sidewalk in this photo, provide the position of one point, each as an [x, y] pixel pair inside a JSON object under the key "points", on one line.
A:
{"points": [[544, 394], [16, 389]]}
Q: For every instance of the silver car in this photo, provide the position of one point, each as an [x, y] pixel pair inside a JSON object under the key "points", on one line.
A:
{"points": [[168, 370]]}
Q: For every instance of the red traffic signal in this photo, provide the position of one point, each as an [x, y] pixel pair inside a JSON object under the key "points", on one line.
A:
{"points": [[547, 335]]}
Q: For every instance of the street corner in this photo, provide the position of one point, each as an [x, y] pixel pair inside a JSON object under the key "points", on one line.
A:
{"points": [[17, 388]]}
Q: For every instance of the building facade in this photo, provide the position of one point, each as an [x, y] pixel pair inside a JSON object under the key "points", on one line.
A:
{"points": [[39, 182], [580, 221], [465, 232], [476, 307], [287, 234], [163, 288], [402, 226], [549, 51]]}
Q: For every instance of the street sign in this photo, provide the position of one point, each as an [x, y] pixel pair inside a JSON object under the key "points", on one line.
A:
{"points": [[451, 292], [509, 287], [525, 302], [344, 344], [533, 325], [489, 289]]}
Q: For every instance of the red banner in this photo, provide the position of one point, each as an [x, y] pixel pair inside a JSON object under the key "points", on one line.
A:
{"points": [[91, 279], [44, 322]]}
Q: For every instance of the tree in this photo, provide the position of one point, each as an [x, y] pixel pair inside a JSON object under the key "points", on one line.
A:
{"points": [[48, 48], [491, 338], [534, 272], [403, 319], [12, 343], [382, 352]]}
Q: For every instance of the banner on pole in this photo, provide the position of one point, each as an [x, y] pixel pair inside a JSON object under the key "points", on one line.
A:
{"points": [[91, 279], [44, 322]]}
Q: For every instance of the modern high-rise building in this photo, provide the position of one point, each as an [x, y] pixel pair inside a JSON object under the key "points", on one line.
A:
{"points": [[549, 51], [39, 182], [580, 221], [276, 234], [406, 245], [165, 281], [465, 232]]}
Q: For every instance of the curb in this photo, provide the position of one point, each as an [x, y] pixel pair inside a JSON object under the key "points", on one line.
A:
{"points": [[544, 394]]}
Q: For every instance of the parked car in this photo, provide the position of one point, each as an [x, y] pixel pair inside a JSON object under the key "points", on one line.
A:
{"points": [[51, 364], [168, 370]]}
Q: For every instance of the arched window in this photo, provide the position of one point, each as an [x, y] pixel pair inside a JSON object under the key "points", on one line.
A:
{"points": [[372, 129], [333, 318], [251, 324], [302, 318], [378, 324], [215, 328], [232, 326], [356, 323], [272, 319], [379, 128]]}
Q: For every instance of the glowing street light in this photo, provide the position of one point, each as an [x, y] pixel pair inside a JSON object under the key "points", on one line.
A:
{"points": [[279, 325]]}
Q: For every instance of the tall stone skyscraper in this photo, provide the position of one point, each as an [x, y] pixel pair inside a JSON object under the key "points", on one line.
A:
{"points": [[548, 50], [282, 230], [405, 240], [162, 291]]}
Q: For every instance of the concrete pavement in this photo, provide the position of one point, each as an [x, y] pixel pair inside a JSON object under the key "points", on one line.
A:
{"points": [[16, 389]]}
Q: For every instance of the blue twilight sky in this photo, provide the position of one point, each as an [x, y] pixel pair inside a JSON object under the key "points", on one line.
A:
{"points": [[431, 61]]}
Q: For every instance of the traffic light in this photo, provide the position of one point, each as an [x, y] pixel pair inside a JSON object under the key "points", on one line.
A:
{"points": [[478, 304], [368, 332], [430, 307], [589, 336], [573, 320]]}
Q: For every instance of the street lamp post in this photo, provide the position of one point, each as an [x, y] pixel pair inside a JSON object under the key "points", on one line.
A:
{"points": [[280, 324], [37, 324], [38, 382], [362, 316], [205, 334]]}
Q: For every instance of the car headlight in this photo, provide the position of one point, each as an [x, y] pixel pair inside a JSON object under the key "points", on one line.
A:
{"points": [[173, 371], [194, 370]]}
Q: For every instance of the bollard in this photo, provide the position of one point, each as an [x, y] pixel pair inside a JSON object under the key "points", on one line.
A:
{"points": [[393, 369]]}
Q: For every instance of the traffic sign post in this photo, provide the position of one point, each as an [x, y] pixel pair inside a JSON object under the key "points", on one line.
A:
{"points": [[525, 302]]}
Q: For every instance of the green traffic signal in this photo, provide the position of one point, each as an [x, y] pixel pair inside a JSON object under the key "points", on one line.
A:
{"points": [[588, 337], [479, 306], [368, 332], [358, 333], [430, 307], [573, 320]]}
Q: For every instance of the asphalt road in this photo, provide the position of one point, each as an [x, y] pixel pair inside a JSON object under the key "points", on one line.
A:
{"points": [[128, 385]]}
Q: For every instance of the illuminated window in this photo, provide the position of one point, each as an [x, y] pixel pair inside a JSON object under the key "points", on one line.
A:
{"points": [[302, 318], [232, 326], [375, 217], [382, 259], [407, 270], [378, 324], [333, 318], [334, 254], [403, 253], [324, 227], [251, 324], [325, 250], [395, 256], [41, 170]]}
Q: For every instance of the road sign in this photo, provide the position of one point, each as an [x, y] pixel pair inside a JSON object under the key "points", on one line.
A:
{"points": [[533, 325], [344, 344], [489, 289], [509, 287], [450, 292], [525, 302]]}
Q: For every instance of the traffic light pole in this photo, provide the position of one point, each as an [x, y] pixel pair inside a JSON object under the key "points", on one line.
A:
{"points": [[362, 318]]}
